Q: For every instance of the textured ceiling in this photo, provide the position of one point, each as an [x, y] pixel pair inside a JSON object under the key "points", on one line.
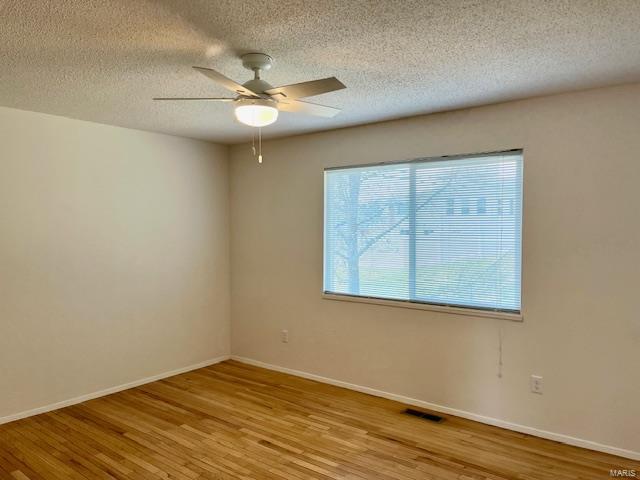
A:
{"points": [[103, 60]]}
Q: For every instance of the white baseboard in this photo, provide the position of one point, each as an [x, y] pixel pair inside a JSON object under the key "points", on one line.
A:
{"points": [[109, 391], [558, 437]]}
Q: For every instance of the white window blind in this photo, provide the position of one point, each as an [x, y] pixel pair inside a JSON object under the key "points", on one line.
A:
{"points": [[441, 231]]}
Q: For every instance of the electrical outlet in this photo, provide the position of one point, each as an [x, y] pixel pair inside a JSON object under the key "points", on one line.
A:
{"points": [[284, 336], [536, 384]]}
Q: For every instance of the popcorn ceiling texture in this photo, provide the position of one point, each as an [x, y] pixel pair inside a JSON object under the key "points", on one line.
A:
{"points": [[103, 60]]}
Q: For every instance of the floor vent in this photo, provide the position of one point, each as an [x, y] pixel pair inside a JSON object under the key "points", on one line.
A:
{"points": [[427, 416]]}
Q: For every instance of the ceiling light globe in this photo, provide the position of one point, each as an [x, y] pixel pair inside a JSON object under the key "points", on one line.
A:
{"points": [[256, 112]]}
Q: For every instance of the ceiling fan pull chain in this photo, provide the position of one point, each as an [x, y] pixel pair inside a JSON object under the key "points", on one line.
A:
{"points": [[259, 144], [253, 142]]}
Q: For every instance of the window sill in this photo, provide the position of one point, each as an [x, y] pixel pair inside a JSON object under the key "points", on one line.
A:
{"points": [[514, 317]]}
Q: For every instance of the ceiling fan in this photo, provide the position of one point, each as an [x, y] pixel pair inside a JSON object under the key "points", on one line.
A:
{"points": [[258, 103]]}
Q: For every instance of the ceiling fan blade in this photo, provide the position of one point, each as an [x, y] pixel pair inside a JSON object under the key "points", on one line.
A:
{"points": [[306, 89], [226, 82], [298, 106], [208, 99]]}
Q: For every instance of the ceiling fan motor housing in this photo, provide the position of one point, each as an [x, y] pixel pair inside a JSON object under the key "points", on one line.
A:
{"points": [[257, 85]]}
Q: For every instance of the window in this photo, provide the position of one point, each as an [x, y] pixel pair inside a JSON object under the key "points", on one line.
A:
{"points": [[481, 207], [450, 206], [391, 231]]}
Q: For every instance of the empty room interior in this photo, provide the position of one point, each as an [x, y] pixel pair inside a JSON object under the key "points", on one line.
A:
{"points": [[290, 240]]}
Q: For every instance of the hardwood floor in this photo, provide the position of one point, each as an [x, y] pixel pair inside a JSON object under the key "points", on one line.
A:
{"points": [[233, 421]]}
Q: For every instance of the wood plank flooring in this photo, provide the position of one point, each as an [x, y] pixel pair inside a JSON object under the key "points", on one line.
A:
{"points": [[234, 421]]}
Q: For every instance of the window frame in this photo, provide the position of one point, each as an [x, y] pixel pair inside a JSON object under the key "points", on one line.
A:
{"points": [[416, 304]]}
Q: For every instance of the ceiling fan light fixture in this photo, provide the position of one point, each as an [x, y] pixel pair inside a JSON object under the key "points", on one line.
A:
{"points": [[256, 112]]}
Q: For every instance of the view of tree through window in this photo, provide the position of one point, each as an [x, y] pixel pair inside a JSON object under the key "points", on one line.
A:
{"points": [[439, 231]]}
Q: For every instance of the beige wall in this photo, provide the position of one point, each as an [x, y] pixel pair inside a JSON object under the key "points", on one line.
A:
{"points": [[581, 259], [113, 257]]}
